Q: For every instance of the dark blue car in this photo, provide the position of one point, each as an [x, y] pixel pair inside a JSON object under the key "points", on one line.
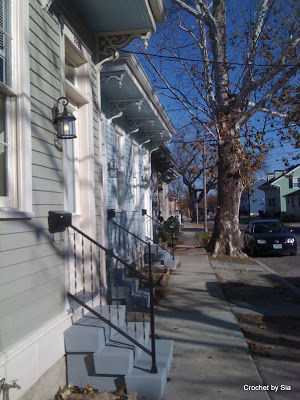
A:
{"points": [[269, 236]]}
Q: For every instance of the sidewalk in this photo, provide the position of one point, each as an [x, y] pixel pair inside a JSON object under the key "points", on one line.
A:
{"points": [[211, 358]]}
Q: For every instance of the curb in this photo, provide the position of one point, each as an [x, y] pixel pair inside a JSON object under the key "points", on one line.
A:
{"points": [[284, 281]]}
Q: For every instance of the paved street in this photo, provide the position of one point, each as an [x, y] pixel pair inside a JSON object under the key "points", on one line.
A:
{"points": [[285, 266]]}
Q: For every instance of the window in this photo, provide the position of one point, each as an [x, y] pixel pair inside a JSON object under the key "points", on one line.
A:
{"points": [[120, 160], [5, 43], [135, 176], [296, 182], [75, 66], [15, 126], [5, 132]]}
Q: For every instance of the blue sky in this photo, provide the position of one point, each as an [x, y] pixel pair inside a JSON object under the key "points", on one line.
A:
{"points": [[239, 14]]}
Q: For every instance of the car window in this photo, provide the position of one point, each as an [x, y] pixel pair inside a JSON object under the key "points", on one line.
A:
{"points": [[269, 227]]}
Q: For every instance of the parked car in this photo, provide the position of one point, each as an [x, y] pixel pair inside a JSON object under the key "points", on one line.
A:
{"points": [[264, 236]]}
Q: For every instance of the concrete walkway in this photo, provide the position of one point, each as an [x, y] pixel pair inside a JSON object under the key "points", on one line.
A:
{"points": [[211, 358]]}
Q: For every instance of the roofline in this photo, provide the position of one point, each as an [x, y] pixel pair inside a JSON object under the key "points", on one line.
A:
{"points": [[137, 70], [158, 10]]}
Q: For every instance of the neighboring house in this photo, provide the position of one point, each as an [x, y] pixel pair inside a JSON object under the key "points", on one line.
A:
{"points": [[293, 204], [278, 185], [253, 199], [163, 172], [48, 50], [174, 205], [135, 125]]}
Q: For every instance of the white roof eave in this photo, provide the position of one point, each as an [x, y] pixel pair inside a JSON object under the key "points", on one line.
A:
{"points": [[138, 76]]}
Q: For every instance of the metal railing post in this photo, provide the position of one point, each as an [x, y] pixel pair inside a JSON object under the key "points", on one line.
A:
{"points": [[173, 250], [154, 366]]}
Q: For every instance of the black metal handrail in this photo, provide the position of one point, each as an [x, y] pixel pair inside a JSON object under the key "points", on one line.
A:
{"points": [[159, 245], [149, 216], [138, 273], [59, 221], [108, 322], [111, 253], [150, 280]]}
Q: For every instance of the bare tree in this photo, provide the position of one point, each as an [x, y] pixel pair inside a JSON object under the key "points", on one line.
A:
{"points": [[187, 150], [230, 65]]}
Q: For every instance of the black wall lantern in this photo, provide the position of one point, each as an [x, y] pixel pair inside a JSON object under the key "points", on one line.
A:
{"points": [[64, 121], [112, 168]]}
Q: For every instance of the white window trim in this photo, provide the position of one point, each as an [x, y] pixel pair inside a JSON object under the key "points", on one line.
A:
{"points": [[84, 146], [21, 205]]}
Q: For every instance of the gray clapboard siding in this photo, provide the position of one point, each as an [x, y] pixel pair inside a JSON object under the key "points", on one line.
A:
{"points": [[43, 18], [40, 146], [42, 210], [45, 160], [43, 123], [15, 304], [46, 197], [49, 36], [44, 86], [51, 63], [21, 240], [47, 185], [19, 286], [15, 272], [37, 312], [39, 171], [44, 74], [17, 226], [17, 256], [45, 111]]}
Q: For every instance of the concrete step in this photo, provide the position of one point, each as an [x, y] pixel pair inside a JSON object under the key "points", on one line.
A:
{"points": [[137, 330], [114, 360], [89, 333], [81, 372], [117, 357], [173, 264], [139, 302], [82, 338], [142, 381]]}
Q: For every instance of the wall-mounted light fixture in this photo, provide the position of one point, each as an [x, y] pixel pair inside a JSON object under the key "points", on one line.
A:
{"points": [[145, 181], [64, 121], [112, 168]]}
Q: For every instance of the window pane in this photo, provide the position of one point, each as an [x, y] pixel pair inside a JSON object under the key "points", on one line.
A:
{"points": [[3, 149], [5, 44]]}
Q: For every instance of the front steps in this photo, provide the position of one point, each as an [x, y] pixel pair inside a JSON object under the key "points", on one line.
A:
{"points": [[99, 356], [160, 256]]}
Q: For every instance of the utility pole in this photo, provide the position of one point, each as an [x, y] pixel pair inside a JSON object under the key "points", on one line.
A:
{"points": [[204, 189]]}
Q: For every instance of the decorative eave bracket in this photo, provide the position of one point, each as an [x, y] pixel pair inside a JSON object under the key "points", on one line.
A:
{"points": [[119, 78], [46, 4], [145, 135], [121, 105], [109, 44], [135, 123]]}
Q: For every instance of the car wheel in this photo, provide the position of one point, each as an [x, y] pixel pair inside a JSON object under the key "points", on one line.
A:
{"points": [[294, 253], [252, 250]]}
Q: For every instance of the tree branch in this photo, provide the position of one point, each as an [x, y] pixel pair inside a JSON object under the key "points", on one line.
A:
{"points": [[279, 64], [268, 111], [267, 96]]}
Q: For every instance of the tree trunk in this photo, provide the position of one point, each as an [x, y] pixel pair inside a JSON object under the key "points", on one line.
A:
{"points": [[226, 237]]}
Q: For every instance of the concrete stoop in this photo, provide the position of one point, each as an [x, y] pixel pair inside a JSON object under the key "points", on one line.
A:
{"points": [[99, 356], [161, 257]]}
